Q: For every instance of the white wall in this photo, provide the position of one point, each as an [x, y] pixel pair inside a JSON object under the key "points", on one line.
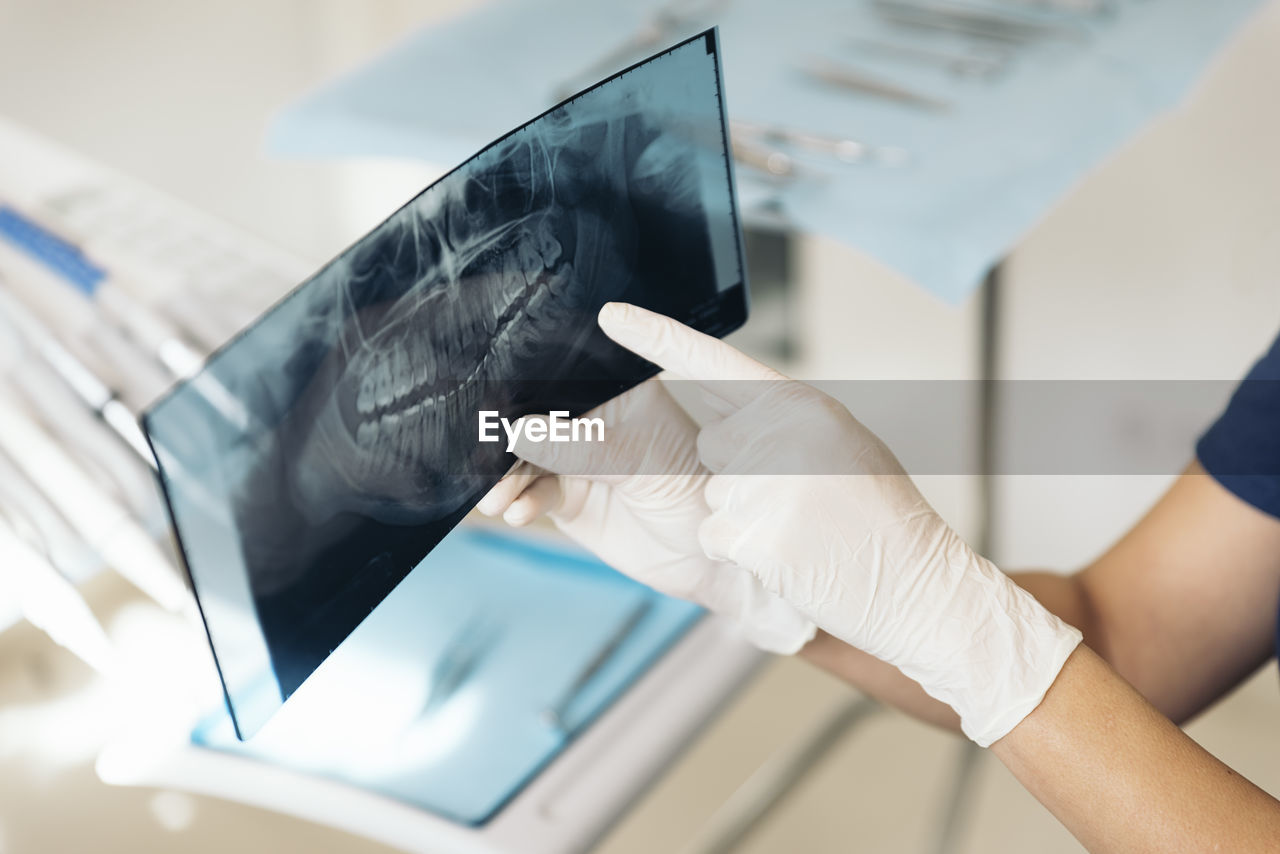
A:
{"points": [[179, 94], [1164, 264]]}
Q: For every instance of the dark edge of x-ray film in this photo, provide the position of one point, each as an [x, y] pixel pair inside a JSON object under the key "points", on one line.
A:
{"points": [[306, 468]]}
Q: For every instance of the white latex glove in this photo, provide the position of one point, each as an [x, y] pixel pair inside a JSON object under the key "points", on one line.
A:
{"points": [[822, 513], [636, 501]]}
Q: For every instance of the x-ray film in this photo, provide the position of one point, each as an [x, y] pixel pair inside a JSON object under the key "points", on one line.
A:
{"points": [[323, 453]]}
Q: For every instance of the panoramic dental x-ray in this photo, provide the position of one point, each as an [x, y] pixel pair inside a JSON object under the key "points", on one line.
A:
{"points": [[322, 454]]}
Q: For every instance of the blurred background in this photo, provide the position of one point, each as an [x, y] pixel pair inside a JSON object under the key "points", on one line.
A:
{"points": [[1160, 260]]}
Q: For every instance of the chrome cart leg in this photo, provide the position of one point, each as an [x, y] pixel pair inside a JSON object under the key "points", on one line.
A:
{"points": [[956, 808]]}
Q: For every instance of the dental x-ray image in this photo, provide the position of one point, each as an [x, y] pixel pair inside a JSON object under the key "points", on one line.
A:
{"points": [[322, 454]]}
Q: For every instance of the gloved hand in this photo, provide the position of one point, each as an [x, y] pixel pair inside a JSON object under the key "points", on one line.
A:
{"points": [[822, 513], [636, 501]]}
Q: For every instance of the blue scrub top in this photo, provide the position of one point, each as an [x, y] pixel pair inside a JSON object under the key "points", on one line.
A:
{"points": [[1242, 448]]}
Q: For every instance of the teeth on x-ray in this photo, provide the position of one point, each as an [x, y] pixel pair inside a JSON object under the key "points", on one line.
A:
{"points": [[488, 301], [353, 449], [492, 276]]}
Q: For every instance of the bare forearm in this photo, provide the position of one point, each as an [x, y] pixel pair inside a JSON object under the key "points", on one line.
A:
{"points": [[1060, 594], [879, 680], [1121, 777]]}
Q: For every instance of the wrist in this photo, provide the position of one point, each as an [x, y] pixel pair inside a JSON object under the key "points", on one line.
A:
{"points": [[994, 662]]}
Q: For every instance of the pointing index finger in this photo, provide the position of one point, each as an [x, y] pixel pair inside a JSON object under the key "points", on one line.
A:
{"points": [[718, 368]]}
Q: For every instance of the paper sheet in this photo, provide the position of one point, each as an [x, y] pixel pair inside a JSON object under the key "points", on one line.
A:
{"points": [[982, 172]]}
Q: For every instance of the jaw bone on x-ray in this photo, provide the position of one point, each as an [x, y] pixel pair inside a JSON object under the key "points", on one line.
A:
{"points": [[342, 445]]}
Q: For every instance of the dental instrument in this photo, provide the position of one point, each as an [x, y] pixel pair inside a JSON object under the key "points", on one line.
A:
{"points": [[39, 282], [556, 715], [977, 20], [50, 602], [854, 80], [61, 544], [959, 64], [458, 661], [103, 523], [97, 285], [842, 149], [87, 387], [771, 161]]}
